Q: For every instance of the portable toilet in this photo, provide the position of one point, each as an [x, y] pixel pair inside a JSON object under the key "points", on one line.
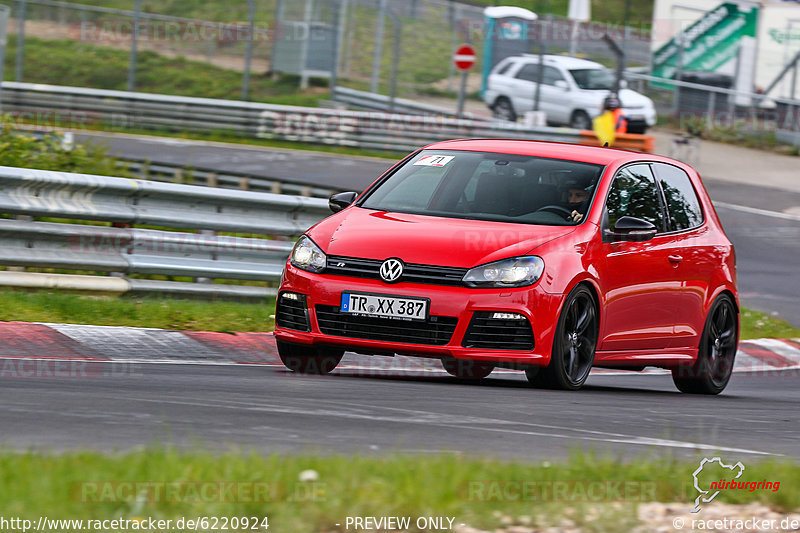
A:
{"points": [[507, 34]]}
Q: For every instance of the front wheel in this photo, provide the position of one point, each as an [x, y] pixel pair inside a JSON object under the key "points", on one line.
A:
{"points": [[309, 359], [712, 370], [573, 346]]}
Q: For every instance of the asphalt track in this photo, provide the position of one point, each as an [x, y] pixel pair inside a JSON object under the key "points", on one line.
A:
{"points": [[215, 407], [767, 244]]}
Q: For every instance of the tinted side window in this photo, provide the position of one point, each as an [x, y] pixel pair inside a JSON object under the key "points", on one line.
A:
{"points": [[529, 72], [682, 202], [551, 76], [505, 68], [634, 194]]}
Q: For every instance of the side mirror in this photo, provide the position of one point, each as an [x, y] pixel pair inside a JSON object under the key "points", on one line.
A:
{"points": [[632, 229], [339, 201], [561, 84]]}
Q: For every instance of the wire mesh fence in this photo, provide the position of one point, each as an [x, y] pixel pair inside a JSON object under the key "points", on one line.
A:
{"points": [[366, 36]]}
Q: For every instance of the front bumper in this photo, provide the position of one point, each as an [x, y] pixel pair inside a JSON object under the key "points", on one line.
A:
{"points": [[539, 307]]}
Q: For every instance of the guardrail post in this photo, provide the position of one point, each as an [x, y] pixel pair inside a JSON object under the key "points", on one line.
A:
{"points": [[244, 184], [276, 188], [212, 180]]}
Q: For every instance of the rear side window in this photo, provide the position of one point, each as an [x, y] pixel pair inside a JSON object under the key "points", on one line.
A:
{"points": [[634, 194], [682, 202], [530, 72], [504, 68]]}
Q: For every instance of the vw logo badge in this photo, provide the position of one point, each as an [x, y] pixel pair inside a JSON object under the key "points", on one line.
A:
{"points": [[391, 270]]}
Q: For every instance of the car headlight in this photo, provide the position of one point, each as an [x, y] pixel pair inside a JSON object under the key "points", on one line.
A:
{"points": [[306, 255], [513, 272]]}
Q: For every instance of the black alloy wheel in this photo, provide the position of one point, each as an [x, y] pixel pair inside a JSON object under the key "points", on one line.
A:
{"points": [[714, 365], [574, 344]]}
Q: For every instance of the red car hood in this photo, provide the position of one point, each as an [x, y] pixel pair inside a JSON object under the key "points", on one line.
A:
{"points": [[357, 232]]}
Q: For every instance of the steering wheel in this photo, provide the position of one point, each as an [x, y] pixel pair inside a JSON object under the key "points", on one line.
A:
{"points": [[556, 209]]}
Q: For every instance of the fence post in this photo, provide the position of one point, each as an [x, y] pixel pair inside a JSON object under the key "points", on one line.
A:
{"points": [[678, 78], [306, 44], [134, 43], [22, 14], [398, 34], [376, 59], [336, 24], [4, 12], [248, 54], [712, 100]]}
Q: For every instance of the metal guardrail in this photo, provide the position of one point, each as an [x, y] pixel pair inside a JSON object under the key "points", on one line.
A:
{"points": [[81, 196], [189, 175], [357, 129], [380, 102], [127, 250]]}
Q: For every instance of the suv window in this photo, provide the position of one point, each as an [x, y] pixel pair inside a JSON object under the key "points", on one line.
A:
{"points": [[682, 202], [634, 194], [530, 72], [505, 68]]}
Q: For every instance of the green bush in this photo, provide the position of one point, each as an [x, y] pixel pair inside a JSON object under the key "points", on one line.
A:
{"points": [[45, 152]]}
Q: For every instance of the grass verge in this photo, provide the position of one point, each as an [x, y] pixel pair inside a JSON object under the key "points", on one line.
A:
{"points": [[54, 306], [484, 493], [64, 307]]}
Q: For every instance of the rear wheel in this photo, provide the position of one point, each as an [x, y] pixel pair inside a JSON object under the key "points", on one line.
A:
{"points": [[466, 369], [309, 359], [574, 344], [712, 370], [503, 109]]}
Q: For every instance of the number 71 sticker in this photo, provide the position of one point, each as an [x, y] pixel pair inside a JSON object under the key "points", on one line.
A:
{"points": [[434, 160]]}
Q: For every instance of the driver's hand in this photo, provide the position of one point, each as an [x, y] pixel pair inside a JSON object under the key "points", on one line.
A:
{"points": [[575, 216]]}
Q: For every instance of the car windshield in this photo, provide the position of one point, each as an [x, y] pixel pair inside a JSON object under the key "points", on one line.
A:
{"points": [[593, 78], [488, 186]]}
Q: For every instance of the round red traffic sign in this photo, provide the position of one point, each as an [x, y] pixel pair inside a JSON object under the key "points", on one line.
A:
{"points": [[464, 57]]}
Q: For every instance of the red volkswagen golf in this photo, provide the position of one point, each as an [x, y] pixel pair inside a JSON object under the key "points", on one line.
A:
{"points": [[543, 257]]}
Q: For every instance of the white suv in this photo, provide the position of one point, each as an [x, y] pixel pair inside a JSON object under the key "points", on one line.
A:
{"points": [[572, 92]]}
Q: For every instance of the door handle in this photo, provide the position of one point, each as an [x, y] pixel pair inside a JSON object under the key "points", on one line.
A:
{"points": [[675, 259]]}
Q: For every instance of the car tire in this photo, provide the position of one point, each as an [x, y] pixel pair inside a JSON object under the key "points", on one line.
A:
{"points": [[580, 120], [504, 109], [712, 370], [309, 359], [574, 344], [640, 129], [466, 369]]}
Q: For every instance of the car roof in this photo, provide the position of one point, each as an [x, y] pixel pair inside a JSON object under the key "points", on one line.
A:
{"points": [[568, 62], [555, 150]]}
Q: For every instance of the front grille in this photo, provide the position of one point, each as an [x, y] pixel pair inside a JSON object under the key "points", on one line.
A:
{"points": [[292, 314], [413, 273], [435, 331], [498, 334]]}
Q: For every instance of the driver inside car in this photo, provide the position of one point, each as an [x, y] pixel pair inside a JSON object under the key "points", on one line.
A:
{"points": [[576, 198]]}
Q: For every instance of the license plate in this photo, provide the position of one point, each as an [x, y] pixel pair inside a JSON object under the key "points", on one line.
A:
{"points": [[378, 305]]}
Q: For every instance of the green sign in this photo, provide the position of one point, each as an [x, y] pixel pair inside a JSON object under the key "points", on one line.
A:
{"points": [[709, 43]]}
